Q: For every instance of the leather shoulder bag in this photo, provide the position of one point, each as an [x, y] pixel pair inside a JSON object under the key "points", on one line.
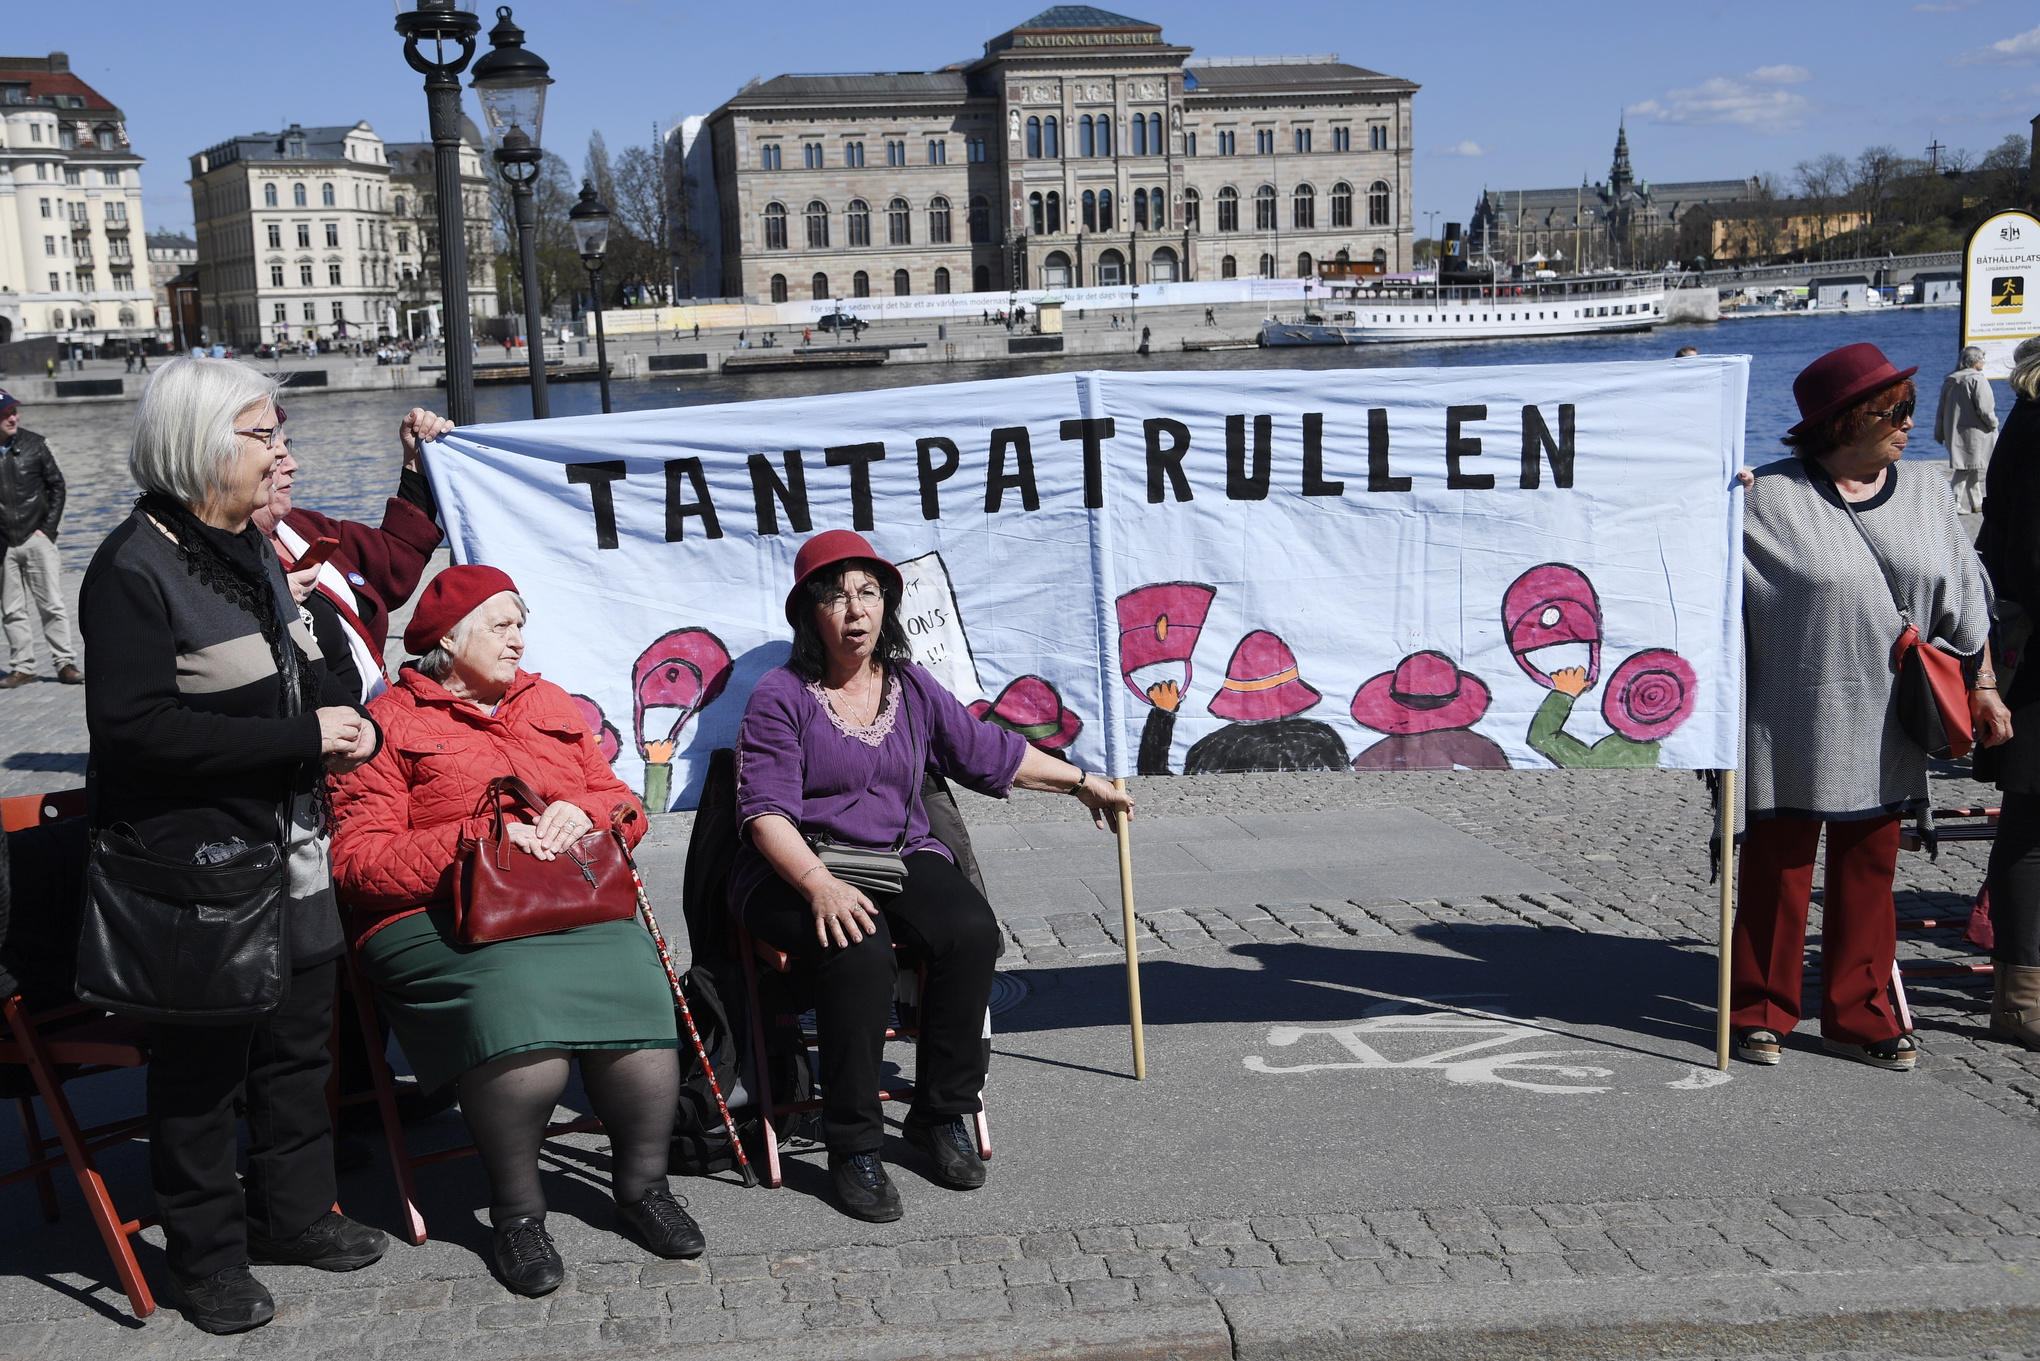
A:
{"points": [[861, 867], [503, 893]]}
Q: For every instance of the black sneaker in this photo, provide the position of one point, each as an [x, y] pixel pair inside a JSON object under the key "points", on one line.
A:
{"points": [[333, 1243], [662, 1223], [952, 1144], [526, 1259], [864, 1188], [228, 1301]]}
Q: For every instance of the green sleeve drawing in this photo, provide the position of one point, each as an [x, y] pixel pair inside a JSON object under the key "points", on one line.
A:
{"points": [[1548, 737], [658, 787]]}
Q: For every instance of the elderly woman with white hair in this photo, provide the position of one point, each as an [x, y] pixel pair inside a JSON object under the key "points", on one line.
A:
{"points": [[1965, 424], [504, 1019], [213, 721]]}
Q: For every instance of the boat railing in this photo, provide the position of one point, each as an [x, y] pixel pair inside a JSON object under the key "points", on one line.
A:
{"points": [[1529, 292]]}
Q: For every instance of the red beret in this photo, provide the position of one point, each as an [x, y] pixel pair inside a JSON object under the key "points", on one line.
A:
{"points": [[450, 598]]}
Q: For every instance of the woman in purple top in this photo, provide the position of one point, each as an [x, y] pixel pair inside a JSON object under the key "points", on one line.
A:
{"points": [[835, 744]]}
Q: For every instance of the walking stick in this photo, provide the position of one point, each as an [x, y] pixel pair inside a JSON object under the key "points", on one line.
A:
{"points": [[644, 903], [1722, 965], [1128, 925]]}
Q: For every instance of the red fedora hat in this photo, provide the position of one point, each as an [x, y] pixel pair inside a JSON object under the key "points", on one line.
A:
{"points": [[1261, 682], [1427, 692], [1839, 377], [1031, 707], [828, 548]]}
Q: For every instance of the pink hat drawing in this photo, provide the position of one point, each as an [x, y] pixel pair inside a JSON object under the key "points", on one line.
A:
{"points": [[1161, 623], [1261, 682], [685, 669], [1427, 692], [1650, 695], [1551, 604], [605, 732], [1031, 707]]}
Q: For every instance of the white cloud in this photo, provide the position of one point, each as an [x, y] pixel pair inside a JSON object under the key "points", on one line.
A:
{"points": [[2021, 49], [1755, 101], [1462, 149]]}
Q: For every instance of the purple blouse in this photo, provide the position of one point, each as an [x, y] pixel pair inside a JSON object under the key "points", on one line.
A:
{"points": [[796, 758]]}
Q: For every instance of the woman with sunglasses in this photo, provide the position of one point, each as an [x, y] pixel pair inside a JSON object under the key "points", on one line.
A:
{"points": [[1830, 537]]}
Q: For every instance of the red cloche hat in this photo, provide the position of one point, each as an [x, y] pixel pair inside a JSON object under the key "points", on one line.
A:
{"points": [[685, 670], [1031, 707], [1160, 623], [1261, 682], [826, 549], [1427, 692], [449, 598], [1551, 604], [1650, 695], [1839, 377]]}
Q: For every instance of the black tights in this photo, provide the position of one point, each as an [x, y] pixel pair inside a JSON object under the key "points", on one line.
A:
{"points": [[509, 1102]]}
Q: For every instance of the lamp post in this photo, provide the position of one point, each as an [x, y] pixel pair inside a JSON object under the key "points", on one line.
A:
{"points": [[442, 23], [590, 221], [511, 82]]}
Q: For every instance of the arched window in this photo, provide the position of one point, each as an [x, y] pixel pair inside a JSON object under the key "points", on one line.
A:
{"points": [[56, 318], [860, 285], [901, 286], [857, 222], [1055, 223], [1049, 146], [1087, 140], [1154, 122], [1342, 204], [1162, 266], [1104, 210], [981, 279], [817, 225], [1304, 268], [899, 223], [1140, 209], [399, 201], [1267, 266], [775, 226], [938, 224], [1228, 268], [980, 218], [297, 195], [1343, 256], [127, 316], [1111, 269], [942, 280], [1139, 135], [1090, 210], [1377, 204], [1033, 137], [779, 288], [1193, 208], [1228, 209], [326, 194], [269, 196], [1035, 215], [1264, 209], [1381, 257], [821, 287], [1055, 270], [1104, 134], [1303, 206]]}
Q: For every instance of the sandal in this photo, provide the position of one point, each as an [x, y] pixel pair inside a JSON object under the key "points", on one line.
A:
{"points": [[1757, 1045], [1897, 1055]]}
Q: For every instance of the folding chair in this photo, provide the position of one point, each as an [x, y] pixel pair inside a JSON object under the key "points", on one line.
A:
{"points": [[96, 1043], [1926, 834], [19, 812], [757, 953]]}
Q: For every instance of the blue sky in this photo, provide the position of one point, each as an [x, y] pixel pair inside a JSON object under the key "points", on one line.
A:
{"points": [[1514, 96]]}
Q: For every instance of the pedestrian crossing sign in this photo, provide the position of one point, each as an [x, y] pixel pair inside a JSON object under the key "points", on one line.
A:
{"points": [[2008, 293]]}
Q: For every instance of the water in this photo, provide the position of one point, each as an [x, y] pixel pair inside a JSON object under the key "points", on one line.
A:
{"points": [[347, 442]]}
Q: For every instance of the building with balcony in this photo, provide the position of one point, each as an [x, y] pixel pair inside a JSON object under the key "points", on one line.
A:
{"points": [[414, 230], [70, 210]]}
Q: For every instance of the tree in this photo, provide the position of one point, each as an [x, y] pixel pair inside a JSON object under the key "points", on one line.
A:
{"points": [[1824, 183]]}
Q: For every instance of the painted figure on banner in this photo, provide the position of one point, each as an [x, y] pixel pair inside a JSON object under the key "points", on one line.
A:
{"points": [[1551, 616], [1428, 707], [934, 623], [1649, 695], [681, 674], [1158, 629], [1264, 696], [1031, 707], [606, 737]]}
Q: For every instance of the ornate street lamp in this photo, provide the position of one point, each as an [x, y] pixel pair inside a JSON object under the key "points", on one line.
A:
{"points": [[444, 24], [590, 221], [511, 82]]}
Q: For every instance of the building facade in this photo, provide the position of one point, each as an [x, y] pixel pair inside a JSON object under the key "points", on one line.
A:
{"points": [[70, 210], [414, 230], [1080, 150], [170, 254]]}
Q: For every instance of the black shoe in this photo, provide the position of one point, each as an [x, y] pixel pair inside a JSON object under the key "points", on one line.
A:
{"points": [[526, 1259], [662, 1223], [333, 1243], [952, 1143], [228, 1301], [864, 1188]]}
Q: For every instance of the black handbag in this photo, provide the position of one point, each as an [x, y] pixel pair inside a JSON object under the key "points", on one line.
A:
{"points": [[166, 940]]}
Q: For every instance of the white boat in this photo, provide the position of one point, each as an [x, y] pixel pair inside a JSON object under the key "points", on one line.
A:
{"points": [[1407, 310]]}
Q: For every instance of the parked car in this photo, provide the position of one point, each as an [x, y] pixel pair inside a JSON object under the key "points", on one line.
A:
{"points": [[840, 321]]}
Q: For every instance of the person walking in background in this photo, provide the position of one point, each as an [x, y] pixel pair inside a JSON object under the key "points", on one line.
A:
{"points": [[31, 505], [1966, 426]]}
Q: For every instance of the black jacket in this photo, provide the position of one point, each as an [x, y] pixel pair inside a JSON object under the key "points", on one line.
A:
{"points": [[2010, 548], [31, 489]]}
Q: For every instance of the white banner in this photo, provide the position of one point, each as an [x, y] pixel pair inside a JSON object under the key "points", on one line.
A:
{"points": [[1153, 573]]}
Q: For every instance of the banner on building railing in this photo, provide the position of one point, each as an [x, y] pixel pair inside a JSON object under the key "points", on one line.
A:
{"points": [[1157, 573]]}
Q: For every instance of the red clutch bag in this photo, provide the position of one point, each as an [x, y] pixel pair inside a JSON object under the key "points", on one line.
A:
{"points": [[503, 893]]}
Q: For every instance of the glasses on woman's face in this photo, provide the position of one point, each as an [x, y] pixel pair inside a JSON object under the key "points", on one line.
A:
{"points": [[1900, 412], [270, 435], [870, 597]]}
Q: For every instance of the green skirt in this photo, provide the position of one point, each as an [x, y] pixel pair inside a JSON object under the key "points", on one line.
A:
{"points": [[455, 1007]]}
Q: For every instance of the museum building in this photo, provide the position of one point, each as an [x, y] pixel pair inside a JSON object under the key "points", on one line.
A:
{"points": [[1082, 150]]}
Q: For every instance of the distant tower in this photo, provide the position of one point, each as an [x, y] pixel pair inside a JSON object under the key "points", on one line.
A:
{"points": [[1619, 176]]}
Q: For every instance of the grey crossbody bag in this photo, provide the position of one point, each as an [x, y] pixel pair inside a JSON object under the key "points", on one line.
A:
{"points": [[865, 869]]}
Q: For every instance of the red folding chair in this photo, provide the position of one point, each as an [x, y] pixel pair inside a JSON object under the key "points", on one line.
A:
{"points": [[19, 812], [755, 953]]}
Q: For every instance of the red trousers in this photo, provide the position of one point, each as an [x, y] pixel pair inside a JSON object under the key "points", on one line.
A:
{"points": [[1859, 931]]}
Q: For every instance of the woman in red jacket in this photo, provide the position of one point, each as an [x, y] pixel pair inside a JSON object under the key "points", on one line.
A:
{"points": [[503, 1019]]}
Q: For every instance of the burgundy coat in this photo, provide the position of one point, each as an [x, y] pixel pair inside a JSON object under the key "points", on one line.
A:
{"points": [[382, 565]]}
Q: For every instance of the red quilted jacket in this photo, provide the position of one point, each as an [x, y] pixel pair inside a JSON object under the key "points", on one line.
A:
{"points": [[398, 820]]}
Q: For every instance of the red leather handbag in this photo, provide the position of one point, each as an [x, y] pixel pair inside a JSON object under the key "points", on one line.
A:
{"points": [[503, 893], [1933, 703]]}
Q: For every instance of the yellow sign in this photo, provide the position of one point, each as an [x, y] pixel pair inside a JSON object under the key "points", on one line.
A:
{"points": [[2007, 294]]}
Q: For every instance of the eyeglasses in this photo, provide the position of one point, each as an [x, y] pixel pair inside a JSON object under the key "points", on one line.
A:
{"points": [[268, 434], [1900, 412], [870, 597]]}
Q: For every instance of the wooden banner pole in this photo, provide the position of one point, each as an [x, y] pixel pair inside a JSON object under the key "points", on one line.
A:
{"points": [[1130, 927], [1722, 967]]}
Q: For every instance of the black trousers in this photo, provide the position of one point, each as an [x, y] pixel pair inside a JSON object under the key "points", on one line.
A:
{"points": [[277, 1068], [938, 919], [2015, 882]]}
